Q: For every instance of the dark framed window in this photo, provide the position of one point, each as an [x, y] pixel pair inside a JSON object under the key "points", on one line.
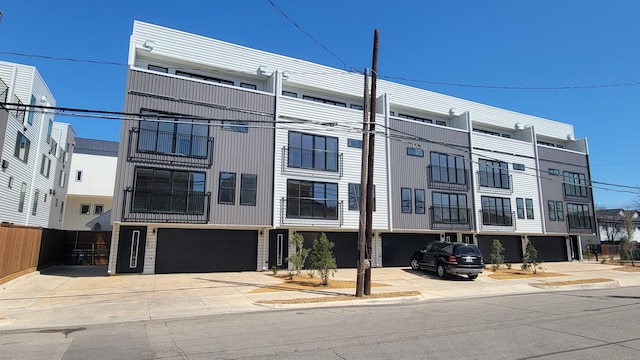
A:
{"points": [[324, 101], [167, 134], [415, 118], [203, 77], [405, 194], [520, 208], [354, 196], [32, 110], [34, 207], [415, 152], [496, 211], [354, 143], [554, 172], [22, 147], [237, 126], [227, 188], [248, 86], [313, 151], [309, 199], [49, 130], [289, 94], [494, 174], [45, 166], [519, 167], [420, 201], [85, 209], [356, 106], [575, 184], [23, 194], [98, 209], [578, 215], [551, 206], [441, 123], [529, 204], [168, 191], [559, 211], [448, 168], [450, 208], [248, 189], [157, 68]]}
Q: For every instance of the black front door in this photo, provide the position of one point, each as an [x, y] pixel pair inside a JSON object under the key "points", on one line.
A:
{"points": [[450, 237], [131, 246], [278, 248]]}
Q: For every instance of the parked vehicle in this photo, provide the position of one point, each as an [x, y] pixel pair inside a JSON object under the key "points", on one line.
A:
{"points": [[449, 258]]}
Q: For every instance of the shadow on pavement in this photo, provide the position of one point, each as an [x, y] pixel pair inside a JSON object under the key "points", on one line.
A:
{"points": [[275, 287], [75, 271], [432, 275]]}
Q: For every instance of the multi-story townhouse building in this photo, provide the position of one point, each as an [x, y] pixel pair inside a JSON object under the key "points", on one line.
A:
{"points": [[91, 183], [32, 148], [234, 149]]}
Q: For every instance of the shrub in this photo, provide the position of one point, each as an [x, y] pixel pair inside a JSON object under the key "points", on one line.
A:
{"points": [[497, 258], [301, 254], [274, 269], [530, 258], [311, 273], [322, 258]]}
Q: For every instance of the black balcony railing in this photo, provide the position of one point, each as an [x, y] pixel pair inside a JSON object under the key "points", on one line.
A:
{"points": [[489, 180], [490, 217], [305, 159], [180, 207], [4, 91], [580, 224], [292, 209], [448, 178], [450, 218], [576, 193], [20, 110], [169, 148]]}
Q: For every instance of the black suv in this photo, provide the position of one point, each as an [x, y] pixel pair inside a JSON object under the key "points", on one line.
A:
{"points": [[446, 258]]}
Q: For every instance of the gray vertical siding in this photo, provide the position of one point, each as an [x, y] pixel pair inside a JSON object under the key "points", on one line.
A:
{"points": [[552, 185], [412, 172], [4, 118], [250, 153]]}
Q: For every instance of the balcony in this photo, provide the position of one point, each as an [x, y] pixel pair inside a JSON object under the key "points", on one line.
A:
{"points": [[489, 182], [576, 193], [20, 110], [580, 224], [448, 218], [311, 212], [307, 161], [177, 207], [169, 148], [491, 220], [448, 178], [4, 90]]}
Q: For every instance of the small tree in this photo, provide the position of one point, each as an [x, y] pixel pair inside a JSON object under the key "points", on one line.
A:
{"points": [[530, 258], [626, 252], [301, 254], [497, 259], [322, 258]]}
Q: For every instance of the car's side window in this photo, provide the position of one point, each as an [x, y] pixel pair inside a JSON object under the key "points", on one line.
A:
{"points": [[448, 249]]}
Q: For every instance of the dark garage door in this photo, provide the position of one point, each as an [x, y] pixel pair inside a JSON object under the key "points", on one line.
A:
{"points": [[345, 251], [397, 248], [550, 248], [200, 250], [512, 247]]}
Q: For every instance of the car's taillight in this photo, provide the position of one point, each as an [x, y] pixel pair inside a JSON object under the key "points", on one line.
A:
{"points": [[452, 259], [481, 260]]}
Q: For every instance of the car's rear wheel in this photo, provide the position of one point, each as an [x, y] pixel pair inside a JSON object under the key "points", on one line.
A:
{"points": [[414, 264], [473, 276], [441, 271]]}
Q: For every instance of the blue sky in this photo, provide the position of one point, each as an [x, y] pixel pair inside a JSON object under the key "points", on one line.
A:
{"points": [[503, 43]]}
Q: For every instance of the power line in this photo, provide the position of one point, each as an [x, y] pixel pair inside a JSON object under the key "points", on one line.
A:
{"points": [[64, 58]]}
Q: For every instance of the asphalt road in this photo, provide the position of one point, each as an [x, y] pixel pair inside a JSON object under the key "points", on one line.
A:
{"points": [[594, 324]]}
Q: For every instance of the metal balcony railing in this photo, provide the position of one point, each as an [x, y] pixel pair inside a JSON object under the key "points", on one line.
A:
{"points": [[580, 224], [20, 110], [180, 207], [169, 148], [491, 218], [450, 218], [311, 209], [576, 192], [488, 186], [4, 91], [448, 178], [311, 160]]}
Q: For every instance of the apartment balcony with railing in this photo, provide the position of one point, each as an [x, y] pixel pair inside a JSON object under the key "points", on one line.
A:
{"points": [[493, 219], [489, 181], [299, 160], [166, 206], [450, 218], [150, 146], [303, 210], [448, 178], [580, 224], [576, 193]]}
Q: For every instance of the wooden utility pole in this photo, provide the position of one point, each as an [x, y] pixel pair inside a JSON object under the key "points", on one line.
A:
{"points": [[371, 132], [362, 204]]}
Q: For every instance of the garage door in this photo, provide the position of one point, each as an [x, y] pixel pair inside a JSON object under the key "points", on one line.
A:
{"points": [[550, 248], [512, 245], [200, 250], [397, 248], [345, 250]]}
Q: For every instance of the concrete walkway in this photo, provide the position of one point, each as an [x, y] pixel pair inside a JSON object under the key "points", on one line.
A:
{"points": [[71, 296]]}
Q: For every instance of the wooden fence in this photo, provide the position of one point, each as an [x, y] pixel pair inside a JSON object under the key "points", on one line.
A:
{"points": [[25, 249]]}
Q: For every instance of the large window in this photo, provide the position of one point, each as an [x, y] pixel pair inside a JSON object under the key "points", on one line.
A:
{"points": [[313, 151], [49, 130], [248, 189], [308, 199], [405, 193], [32, 110], [520, 208], [494, 174], [45, 166], [34, 206], [450, 208], [447, 168], [529, 203], [575, 184], [578, 215], [173, 135], [227, 188], [556, 212], [354, 196], [496, 211], [168, 191], [22, 147]]}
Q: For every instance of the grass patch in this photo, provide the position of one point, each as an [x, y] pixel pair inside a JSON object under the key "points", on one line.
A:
{"points": [[341, 298], [304, 282], [574, 282], [509, 274]]}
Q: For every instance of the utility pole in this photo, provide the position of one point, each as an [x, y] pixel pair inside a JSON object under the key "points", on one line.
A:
{"points": [[371, 132], [362, 237]]}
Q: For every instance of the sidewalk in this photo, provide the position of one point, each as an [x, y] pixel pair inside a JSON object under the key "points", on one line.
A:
{"points": [[66, 296]]}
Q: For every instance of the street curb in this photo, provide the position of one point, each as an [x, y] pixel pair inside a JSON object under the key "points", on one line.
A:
{"points": [[599, 285]]}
